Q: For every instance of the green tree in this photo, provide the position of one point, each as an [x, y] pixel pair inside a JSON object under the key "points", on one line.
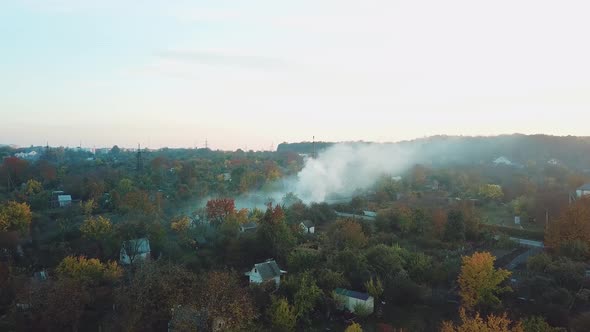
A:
{"points": [[537, 324], [455, 226], [306, 297], [282, 315], [374, 287]]}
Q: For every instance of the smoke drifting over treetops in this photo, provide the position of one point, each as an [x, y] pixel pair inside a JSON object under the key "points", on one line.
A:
{"points": [[344, 168]]}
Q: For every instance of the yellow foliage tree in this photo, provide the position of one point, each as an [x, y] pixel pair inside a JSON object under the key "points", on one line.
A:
{"points": [[33, 187], [492, 323], [88, 270], [479, 281], [180, 225], [491, 191], [15, 217], [96, 228], [354, 327]]}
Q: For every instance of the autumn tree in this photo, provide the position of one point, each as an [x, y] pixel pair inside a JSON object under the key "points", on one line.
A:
{"points": [[57, 305], [88, 271], [88, 207], [492, 323], [225, 300], [572, 226], [282, 315], [347, 234], [492, 192], [153, 291], [218, 209], [15, 217], [33, 187], [275, 232], [180, 225], [480, 282], [98, 229], [354, 327]]}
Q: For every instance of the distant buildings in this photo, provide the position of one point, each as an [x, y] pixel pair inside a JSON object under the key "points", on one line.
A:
{"points": [[503, 161]]}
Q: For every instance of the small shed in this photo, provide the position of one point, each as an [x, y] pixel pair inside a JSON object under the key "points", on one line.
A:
{"points": [[64, 200], [352, 300]]}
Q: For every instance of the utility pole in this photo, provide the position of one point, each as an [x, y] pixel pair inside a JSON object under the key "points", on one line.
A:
{"points": [[139, 159]]}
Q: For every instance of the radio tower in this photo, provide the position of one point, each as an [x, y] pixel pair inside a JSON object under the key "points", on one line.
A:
{"points": [[313, 151]]}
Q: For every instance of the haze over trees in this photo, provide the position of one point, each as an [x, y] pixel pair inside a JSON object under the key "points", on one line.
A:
{"points": [[431, 243]]}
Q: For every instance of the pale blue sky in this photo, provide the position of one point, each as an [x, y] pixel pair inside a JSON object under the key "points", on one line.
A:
{"points": [[256, 72]]}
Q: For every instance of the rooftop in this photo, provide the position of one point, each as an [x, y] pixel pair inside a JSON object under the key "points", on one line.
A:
{"points": [[353, 294], [268, 270]]}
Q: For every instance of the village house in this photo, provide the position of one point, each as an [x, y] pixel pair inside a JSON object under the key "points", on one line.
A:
{"points": [[307, 227], [249, 227], [583, 190], [352, 301], [267, 271], [135, 250], [370, 214]]}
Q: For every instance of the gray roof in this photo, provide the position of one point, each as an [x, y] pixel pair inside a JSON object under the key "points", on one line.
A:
{"points": [[585, 187], [307, 223], [64, 198], [141, 245], [353, 294], [268, 270], [250, 226]]}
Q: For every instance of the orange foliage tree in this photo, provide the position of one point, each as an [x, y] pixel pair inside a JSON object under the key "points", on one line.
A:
{"points": [[218, 209], [573, 225], [480, 282]]}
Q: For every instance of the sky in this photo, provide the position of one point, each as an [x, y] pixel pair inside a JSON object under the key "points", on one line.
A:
{"points": [[254, 73]]}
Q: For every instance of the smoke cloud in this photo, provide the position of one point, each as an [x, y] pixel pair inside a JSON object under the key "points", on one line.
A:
{"points": [[345, 168]]}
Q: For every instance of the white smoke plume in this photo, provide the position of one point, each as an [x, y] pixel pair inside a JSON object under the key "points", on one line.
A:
{"points": [[345, 168]]}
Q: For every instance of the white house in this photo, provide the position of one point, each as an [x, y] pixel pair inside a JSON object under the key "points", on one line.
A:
{"points": [[135, 250], [267, 271], [64, 200], [307, 227], [583, 190], [503, 161], [351, 300], [370, 214]]}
